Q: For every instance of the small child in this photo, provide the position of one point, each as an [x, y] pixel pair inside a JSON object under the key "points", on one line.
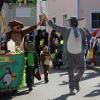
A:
{"points": [[45, 59], [31, 65]]}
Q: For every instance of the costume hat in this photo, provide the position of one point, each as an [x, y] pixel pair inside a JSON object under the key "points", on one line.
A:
{"points": [[75, 18], [15, 23]]}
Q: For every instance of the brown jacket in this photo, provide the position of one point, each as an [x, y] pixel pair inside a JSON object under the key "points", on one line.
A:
{"points": [[18, 37]]}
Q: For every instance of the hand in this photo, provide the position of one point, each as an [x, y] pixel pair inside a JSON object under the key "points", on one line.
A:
{"points": [[40, 22], [44, 17]]}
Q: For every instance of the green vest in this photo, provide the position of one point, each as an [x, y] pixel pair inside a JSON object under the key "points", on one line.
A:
{"points": [[32, 58]]}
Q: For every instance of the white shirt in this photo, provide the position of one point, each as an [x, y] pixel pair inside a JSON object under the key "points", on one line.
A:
{"points": [[74, 45]]}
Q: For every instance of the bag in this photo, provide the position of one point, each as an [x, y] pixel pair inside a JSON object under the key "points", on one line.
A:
{"points": [[42, 43], [89, 54], [56, 42], [50, 64], [37, 74]]}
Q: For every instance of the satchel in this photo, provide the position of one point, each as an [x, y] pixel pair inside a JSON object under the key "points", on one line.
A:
{"points": [[90, 54], [37, 74], [50, 64]]}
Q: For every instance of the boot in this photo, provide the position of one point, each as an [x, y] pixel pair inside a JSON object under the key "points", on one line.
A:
{"points": [[46, 79], [77, 86]]}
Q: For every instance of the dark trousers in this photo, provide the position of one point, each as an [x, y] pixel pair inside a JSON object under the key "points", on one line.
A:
{"points": [[45, 69], [74, 79], [30, 72]]}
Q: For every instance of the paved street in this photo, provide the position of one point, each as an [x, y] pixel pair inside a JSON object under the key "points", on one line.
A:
{"points": [[57, 88]]}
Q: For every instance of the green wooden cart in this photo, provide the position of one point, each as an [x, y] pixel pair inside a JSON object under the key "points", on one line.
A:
{"points": [[11, 71]]}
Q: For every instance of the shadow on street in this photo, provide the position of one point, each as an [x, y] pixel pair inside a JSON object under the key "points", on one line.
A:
{"points": [[62, 97], [98, 85], [64, 83], [40, 83], [58, 71], [6, 96], [10, 95], [90, 75], [93, 93]]}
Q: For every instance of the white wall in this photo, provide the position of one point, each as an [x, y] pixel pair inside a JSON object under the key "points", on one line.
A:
{"points": [[57, 8], [85, 7]]}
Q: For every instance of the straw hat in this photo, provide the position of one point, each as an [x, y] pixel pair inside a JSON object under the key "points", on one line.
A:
{"points": [[75, 18], [15, 23]]}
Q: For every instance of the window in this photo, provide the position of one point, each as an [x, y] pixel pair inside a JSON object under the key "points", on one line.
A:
{"points": [[54, 19], [16, 1], [64, 18], [95, 19], [23, 12], [10, 1]]}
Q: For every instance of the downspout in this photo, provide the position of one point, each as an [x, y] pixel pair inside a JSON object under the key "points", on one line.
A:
{"points": [[75, 8]]}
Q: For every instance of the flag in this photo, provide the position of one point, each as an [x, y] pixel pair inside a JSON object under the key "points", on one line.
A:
{"points": [[25, 2], [3, 23]]}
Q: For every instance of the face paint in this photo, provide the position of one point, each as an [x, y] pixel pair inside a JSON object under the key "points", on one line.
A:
{"points": [[73, 22], [16, 28]]}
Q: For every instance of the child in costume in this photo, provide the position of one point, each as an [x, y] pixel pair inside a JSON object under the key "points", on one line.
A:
{"points": [[31, 65], [45, 59]]}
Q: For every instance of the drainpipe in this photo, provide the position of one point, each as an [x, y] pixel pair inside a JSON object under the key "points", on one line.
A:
{"points": [[75, 8]]}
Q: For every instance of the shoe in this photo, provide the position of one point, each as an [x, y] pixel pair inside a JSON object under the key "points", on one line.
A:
{"points": [[73, 92], [30, 89], [46, 80]]}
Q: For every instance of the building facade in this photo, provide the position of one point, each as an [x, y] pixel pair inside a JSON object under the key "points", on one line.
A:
{"points": [[90, 9], [59, 10], [26, 13]]}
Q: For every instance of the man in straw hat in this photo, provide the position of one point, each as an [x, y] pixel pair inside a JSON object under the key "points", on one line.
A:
{"points": [[16, 33], [74, 46]]}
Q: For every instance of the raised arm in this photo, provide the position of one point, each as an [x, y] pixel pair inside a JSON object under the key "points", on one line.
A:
{"points": [[31, 28], [59, 29]]}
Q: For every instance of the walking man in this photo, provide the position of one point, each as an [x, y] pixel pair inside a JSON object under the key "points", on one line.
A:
{"points": [[74, 48]]}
